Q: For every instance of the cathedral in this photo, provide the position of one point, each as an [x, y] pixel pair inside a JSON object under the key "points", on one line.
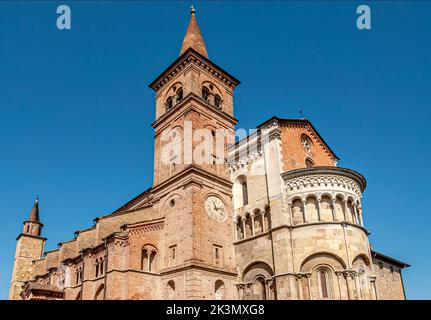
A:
{"points": [[268, 216]]}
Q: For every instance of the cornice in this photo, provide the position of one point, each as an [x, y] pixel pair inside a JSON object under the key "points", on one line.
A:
{"points": [[194, 265], [324, 170], [192, 56], [192, 169], [30, 236]]}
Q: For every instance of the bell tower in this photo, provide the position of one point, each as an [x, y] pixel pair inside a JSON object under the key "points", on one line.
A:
{"points": [[29, 247], [194, 123]]}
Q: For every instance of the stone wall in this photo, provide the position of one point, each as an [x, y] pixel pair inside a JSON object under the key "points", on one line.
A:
{"points": [[388, 281], [28, 248]]}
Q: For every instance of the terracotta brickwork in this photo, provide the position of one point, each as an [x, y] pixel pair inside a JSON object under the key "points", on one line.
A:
{"points": [[293, 152]]}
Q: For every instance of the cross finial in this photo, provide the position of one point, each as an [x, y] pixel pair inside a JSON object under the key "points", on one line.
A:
{"points": [[192, 10], [37, 198]]}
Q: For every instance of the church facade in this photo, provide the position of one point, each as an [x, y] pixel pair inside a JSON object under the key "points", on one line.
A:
{"points": [[270, 216]]}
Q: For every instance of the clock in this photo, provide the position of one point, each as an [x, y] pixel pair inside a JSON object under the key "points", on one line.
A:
{"points": [[215, 208]]}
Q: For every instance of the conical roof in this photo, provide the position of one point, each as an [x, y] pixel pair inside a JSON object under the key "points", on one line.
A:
{"points": [[193, 38]]}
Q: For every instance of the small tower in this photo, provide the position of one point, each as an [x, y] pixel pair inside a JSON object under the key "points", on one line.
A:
{"points": [[29, 247]]}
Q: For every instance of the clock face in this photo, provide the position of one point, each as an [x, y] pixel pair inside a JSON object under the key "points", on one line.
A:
{"points": [[215, 208]]}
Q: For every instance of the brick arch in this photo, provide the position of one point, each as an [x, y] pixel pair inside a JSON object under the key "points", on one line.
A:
{"points": [[363, 257], [215, 90], [100, 292], [170, 290], [255, 269], [78, 296], [170, 92], [323, 258], [149, 258], [219, 290]]}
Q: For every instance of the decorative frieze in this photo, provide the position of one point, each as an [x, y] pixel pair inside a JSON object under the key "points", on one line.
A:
{"points": [[245, 160], [146, 228]]}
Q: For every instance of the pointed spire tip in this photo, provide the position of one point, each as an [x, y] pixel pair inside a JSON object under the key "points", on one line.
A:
{"points": [[193, 38]]}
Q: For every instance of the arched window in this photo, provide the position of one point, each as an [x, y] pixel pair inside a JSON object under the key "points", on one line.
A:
{"points": [[152, 259], [100, 293], [76, 277], [363, 282], [326, 208], [297, 211], [311, 209], [148, 261], [339, 209], [324, 280], [78, 274], [258, 222], [170, 290], [102, 266], [259, 288], [309, 163], [323, 284], [350, 211], [240, 192], [169, 103], [205, 93], [306, 143], [96, 268], [179, 95], [217, 101], [239, 229], [219, 290], [244, 193], [248, 226], [267, 218], [259, 274]]}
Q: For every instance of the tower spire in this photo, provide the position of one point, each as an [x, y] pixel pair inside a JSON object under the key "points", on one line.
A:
{"points": [[34, 214], [193, 38]]}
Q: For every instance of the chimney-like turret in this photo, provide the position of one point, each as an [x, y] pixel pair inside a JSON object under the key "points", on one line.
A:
{"points": [[29, 247]]}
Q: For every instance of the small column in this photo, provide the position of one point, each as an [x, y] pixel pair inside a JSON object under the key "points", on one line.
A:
{"points": [[350, 285], [304, 214], [252, 224], [262, 217], [235, 223], [240, 288], [268, 285], [345, 209], [247, 291], [243, 228], [289, 212], [149, 262], [319, 200], [355, 217], [308, 275], [360, 216], [358, 287], [339, 274], [299, 284]]}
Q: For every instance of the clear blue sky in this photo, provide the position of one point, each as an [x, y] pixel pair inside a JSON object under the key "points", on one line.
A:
{"points": [[75, 107]]}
